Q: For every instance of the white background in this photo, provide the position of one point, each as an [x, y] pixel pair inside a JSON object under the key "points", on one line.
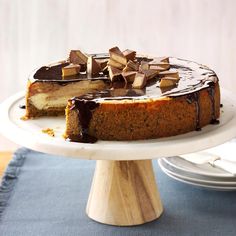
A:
{"points": [[35, 32]]}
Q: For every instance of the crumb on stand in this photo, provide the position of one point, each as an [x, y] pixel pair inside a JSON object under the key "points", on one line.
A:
{"points": [[49, 131]]}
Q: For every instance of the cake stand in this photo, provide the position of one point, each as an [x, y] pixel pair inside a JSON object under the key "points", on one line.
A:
{"points": [[124, 191]]}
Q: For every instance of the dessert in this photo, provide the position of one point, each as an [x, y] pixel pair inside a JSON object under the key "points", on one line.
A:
{"points": [[122, 96], [48, 90]]}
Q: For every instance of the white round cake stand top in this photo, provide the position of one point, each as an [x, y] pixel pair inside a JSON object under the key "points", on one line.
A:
{"points": [[29, 134]]}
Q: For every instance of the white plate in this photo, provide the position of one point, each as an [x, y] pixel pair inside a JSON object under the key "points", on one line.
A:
{"points": [[198, 179], [199, 170], [212, 187], [217, 187], [28, 133]]}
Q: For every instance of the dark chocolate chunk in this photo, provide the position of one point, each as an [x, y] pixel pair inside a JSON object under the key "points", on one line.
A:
{"points": [[53, 72]]}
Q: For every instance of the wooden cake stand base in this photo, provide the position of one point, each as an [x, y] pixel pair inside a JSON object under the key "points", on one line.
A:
{"points": [[124, 193]]}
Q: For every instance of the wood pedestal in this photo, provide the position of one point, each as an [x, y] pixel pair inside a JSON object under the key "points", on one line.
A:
{"points": [[124, 193]]}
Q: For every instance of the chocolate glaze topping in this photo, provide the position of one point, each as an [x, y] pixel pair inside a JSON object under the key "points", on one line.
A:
{"points": [[193, 78], [51, 72]]}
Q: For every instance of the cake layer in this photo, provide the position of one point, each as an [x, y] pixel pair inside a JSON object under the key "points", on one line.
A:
{"points": [[145, 119], [125, 113]]}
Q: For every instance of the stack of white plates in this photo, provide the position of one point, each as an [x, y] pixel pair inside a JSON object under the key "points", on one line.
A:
{"points": [[201, 175]]}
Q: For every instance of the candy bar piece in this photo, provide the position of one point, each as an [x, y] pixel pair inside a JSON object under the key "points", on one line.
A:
{"points": [[150, 74], [52, 71], [131, 66], [168, 82], [102, 63], [114, 72], [160, 59], [140, 81], [164, 59], [161, 66], [144, 66], [129, 54], [129, 76], [77, 57], [117, 55], [157, 62], [93, 68], [168, 73], [72, 69], [115, 64]]}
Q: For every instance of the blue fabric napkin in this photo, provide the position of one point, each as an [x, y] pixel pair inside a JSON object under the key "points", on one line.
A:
{"points": [[46, 195]]}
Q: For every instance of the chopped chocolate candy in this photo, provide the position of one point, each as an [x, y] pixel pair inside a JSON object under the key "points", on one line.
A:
{"points": [[140, 81], [93, 68], [117, 55], [168, 73], [129, 76], [53, 71], [144, 66], [129, 54], [70, 70], [150, 74], [114, 72], [77, 57], [157, 60], [160, 66], [168, 82], [102, 63], [164, 59], [131, 66], [115, 64]]}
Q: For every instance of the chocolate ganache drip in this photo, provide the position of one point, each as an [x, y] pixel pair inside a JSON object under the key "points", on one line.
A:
{"points": [[85, 109], [195, 98], [211, 92]]}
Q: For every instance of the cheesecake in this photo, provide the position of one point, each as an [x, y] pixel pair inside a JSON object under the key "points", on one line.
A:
{"points": [[125, 96], [50, 87]]}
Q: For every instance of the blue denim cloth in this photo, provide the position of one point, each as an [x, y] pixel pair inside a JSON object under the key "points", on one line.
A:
{"points": [[46, 195]]}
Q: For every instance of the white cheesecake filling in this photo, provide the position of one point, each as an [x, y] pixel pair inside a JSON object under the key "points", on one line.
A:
{"points": [[42, 101], [60, 97]]}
